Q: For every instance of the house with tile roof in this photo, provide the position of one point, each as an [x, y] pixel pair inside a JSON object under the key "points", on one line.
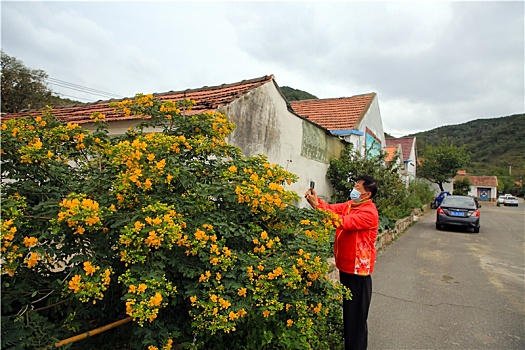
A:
{"points": [[356, 119], [394, 154], [485, 188], [409, 155], [266, 124]]}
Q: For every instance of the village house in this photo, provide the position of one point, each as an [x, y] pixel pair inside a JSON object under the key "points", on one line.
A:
{"points": [[485, 188], [356, 119], [290, 135], [409, 156], [394, 154]]}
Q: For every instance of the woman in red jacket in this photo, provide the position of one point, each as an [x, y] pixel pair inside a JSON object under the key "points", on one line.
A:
{"points": [[355, 254]]}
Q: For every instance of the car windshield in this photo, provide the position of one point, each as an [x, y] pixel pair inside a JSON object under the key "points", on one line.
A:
{"points": [[458, 201]]}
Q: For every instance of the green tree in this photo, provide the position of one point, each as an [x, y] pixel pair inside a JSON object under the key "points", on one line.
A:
{"points": [[198, 245], [462, 186], [22, 88], [441, 163]]}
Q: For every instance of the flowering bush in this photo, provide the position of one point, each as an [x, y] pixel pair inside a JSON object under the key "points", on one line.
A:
{"points": [[199, 245]]}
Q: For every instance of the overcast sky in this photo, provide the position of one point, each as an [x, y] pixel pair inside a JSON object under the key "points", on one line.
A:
{"points": [[430, 63]]}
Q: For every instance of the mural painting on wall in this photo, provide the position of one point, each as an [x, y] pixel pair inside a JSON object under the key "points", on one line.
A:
{"points": [[484, 194], [372, 144]]}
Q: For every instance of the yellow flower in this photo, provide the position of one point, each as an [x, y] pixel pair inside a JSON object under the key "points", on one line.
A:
{"points": [[200, 235], [153, 240], [232, 316], [266, 313], [30, 241], [289, 323], [33, 260], [241, 312], [142, 288], [160, 165], [151, 347], [224, 303], [318, 308], [74, 283], [193, 299], [106, 277], [242, 292], [132, 289], [168, 345], [80, 230], [233, 169], [151, 156], [90, 269], [129, 309], [156, 300], [213, 298]]}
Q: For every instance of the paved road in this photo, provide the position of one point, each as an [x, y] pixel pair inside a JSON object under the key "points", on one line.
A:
{"points": [[452, 289]]}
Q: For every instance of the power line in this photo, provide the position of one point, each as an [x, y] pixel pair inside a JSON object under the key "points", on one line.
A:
{"points": [[80, 98], [81, 88]]}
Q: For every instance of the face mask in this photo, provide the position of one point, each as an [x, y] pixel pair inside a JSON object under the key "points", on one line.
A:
{"points": [[355, 194]]}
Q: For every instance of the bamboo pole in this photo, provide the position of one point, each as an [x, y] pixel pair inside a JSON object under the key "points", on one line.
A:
{"points": [[93, 332]]}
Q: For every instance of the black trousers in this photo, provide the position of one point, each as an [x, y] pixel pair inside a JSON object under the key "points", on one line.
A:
{"points": [[355, 311]]}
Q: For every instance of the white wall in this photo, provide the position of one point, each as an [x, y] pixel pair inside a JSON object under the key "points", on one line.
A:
{"points": [[411, 167], [372, 120], [263, 115]]}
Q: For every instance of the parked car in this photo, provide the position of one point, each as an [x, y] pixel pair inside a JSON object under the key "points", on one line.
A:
{"points": [[437, 201], [501, 199], [511, 201], [460, 211]]}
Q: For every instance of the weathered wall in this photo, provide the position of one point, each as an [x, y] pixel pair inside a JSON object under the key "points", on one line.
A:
{"points": [[265, 125]]}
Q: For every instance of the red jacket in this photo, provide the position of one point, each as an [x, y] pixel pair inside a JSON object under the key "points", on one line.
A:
{"points": [[355, 238]]}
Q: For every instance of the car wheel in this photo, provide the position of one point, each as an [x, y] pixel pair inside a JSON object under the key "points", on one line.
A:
{"points": [[476, 229], [438, 226]]}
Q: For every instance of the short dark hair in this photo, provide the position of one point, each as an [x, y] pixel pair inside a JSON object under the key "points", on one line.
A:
{"points": [[369, 183]]}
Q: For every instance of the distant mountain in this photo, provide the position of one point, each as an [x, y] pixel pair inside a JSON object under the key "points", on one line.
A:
{"points": [[296, 95], [497, 145]]}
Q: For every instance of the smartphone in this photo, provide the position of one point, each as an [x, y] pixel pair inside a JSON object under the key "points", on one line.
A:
{"points": [[312, 185]]}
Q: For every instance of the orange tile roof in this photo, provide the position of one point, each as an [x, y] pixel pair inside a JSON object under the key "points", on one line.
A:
{"points": [[480, 180], [207, 98], [390, 153], [406, 145], [344, 113]]}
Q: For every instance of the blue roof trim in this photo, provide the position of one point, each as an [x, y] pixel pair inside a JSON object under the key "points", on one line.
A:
{"points": [[347, 132]]}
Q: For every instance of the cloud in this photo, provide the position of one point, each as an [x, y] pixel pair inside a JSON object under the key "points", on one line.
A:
{"points": [[431, 63]]}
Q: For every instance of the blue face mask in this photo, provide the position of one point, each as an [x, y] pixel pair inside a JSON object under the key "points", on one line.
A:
{"points": [[354, 195]]}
